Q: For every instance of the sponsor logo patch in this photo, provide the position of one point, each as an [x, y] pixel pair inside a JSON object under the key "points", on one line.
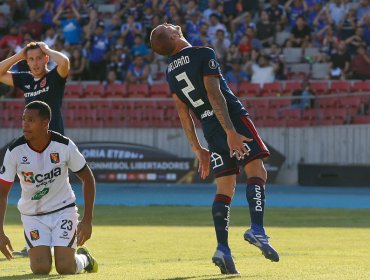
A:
{"points": [[40, 194], [213, 64], [34, 234]]}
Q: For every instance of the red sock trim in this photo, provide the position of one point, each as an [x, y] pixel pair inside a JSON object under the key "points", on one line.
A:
{"points": [[223, 198], [256, 181]]}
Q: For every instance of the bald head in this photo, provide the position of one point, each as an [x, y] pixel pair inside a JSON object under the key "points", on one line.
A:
{"points": [[161, 40]]}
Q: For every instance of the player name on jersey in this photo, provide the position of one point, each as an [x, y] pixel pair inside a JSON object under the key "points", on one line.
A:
{"points": [[178, 62]]}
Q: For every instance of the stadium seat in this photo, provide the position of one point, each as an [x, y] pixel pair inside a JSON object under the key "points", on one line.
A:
{"points": [[138, 90], [248, 89], [159, 90], [292, 55], [303, 68], [116, 90], [329, 102], [94, 90], [361, 86], [291, 86], [361, 119], [320, 71], [280, 102], [311, 52], [73, 90], [272, 89], [340, 87], [320, 87]]}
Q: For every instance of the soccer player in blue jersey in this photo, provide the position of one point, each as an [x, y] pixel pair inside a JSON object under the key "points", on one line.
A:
{"points": [[40, 83], [195, 79]]}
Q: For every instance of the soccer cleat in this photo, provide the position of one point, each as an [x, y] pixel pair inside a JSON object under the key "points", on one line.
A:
{"points": [[261, 241], [224, 262], [21, 253], [93, 264]]}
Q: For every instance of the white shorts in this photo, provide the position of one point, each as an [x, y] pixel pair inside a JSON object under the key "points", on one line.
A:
{"points": [[55, 229]]}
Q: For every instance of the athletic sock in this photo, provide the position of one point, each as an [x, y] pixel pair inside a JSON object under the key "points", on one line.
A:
{"points": [[256, 200], [81, 262], [221, 217]]}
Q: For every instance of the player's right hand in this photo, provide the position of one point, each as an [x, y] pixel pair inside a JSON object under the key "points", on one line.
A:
{"points": [[5, 246], [236, 144], [204, 162]]}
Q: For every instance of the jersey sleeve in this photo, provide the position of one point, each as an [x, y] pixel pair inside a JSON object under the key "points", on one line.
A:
{"points": [[56, 76], [210, 65], [76, 161], [9, 169]]}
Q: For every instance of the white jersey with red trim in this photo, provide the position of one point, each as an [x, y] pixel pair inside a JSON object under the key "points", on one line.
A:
{"points": [[43, 174]]}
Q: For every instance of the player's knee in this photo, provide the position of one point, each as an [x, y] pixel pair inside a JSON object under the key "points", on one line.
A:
{"points": [[65, 268], [41, 269]]}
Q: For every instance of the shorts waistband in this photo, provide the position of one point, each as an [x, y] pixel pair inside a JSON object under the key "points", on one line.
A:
{"points": [[57, 210]]}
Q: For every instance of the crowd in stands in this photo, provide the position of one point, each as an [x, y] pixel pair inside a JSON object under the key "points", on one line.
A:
{"points": [[256, 41]]}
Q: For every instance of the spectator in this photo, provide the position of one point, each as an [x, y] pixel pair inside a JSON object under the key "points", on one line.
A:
{"points": [[70, 24], [117, 65], [328, 39], [33, 25], [282, 35], [46, 14], [301, 34], [147, 20], [356, 40], [260, 68], [78, 65], [221, 45], [295, 8], [236, 75], [339, 63], [98, 47], [130, 29], [240, 25], [337, 11], [203, 39], [10, 41], [111, 78], [92, 23], [306, 95], [347, 26], [50, 36], [276, 12], [277, 58], [139, 48], [214, 25], [265, 30], [211, 10], [362, 9], [192, 27], [360, 64], [138, 71]]}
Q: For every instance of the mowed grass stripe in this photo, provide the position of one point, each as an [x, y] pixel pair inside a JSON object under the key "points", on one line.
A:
{"points": [[178, 243]]}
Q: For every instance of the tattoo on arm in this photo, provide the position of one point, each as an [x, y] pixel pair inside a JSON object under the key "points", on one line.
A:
{"points": [[218, 102]]}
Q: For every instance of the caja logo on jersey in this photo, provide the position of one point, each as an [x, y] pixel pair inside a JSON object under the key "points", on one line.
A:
{"points": [[35, 235], [54, 157], [42, 179]]}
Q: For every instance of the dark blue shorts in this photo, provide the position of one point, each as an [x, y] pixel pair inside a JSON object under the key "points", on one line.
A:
{"points": [[221, 163]]}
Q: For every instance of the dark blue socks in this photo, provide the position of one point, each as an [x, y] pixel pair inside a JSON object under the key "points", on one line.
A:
{"points": [[221, 217], [256, 200]]}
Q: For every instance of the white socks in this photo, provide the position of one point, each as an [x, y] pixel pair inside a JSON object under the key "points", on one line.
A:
{"points": [[81, 262]]}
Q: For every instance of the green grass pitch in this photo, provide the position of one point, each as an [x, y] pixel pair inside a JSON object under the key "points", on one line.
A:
{"points": [[178, 242]]}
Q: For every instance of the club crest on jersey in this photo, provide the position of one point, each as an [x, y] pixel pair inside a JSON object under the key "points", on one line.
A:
{"points": [[28, 177], [43, 82], [213, 64], [54, 157], [35, 235]]}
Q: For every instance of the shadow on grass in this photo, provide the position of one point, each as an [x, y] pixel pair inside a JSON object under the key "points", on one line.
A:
{"points": [[208, 277], [201, 216], [31, 276]]}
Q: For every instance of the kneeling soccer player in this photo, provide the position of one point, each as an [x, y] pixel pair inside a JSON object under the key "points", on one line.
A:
{"points": [[41, 159]]}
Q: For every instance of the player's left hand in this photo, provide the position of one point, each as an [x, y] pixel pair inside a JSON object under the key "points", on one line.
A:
{"points": [[236, 144], [84, 230], [44, 47], [204, 162]]}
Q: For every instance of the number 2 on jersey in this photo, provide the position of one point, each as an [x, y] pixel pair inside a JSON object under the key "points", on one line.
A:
{"points": [[186, 90]]}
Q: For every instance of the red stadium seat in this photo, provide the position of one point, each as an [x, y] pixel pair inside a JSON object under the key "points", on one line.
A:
{"points": [[320, 87], [94, 90], [272, 89], [248, 89], [116, 90], [138, 90], [361, 119], [280, 103], [159, 90], [73, 90], [361, 86], [326, 102], [340, 87], [291, 86]]}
